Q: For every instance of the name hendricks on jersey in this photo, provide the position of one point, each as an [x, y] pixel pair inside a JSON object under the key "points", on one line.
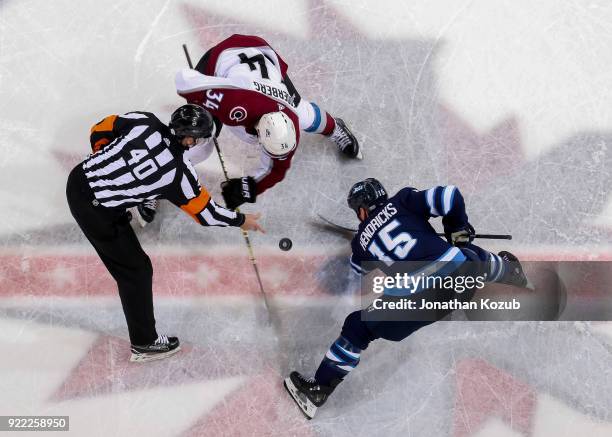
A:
{"points": [[375, 224]]}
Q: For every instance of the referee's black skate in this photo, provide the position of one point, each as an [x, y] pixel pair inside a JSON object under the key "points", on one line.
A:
{"points": [[307, 393], [345, 140], [163, 347]]}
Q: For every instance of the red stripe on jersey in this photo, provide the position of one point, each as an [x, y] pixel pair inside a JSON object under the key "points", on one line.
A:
{"points": [[239, 107]]}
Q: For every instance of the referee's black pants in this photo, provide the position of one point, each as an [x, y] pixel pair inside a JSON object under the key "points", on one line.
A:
{"points": [[110, 233]]}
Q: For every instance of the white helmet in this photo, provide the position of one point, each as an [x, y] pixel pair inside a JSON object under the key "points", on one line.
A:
{"points": [[276, 134]]}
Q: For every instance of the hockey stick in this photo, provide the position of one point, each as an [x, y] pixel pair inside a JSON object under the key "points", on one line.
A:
{"points": [[247, 240], [245, 233], [440, 234]]}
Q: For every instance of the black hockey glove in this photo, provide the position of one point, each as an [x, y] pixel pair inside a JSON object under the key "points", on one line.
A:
{"points": [[462, 236], [237, 191]]}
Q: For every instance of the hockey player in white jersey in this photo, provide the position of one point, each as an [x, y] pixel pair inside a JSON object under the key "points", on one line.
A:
{"points": [[243, 82]]}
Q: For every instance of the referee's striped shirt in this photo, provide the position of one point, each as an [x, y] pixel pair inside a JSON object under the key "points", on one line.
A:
{"points": [[139, 159]]}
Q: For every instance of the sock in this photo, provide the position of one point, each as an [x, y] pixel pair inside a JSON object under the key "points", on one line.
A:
{"points": [[315, 120], [340, 359], [497, 268]]}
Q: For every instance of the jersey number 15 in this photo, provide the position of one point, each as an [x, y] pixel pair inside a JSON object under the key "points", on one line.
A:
{"points": [[399, 245]]}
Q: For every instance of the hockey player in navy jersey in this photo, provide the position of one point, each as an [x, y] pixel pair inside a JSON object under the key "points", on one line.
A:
{"points": [[391, 230]]}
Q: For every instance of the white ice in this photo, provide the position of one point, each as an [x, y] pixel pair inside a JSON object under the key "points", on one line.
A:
{"points": [[509, 100]]}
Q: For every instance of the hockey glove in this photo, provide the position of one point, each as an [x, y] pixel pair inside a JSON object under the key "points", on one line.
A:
{"points": [[237, 191], [461, 237]]}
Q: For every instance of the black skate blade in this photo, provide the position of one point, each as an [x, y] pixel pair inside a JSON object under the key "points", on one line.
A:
{"points": [[152, 356], [306, 407]]}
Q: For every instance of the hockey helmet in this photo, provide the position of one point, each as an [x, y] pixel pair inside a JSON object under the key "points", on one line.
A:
{"points": [[276, 133], [367, 194], [191, 121]]}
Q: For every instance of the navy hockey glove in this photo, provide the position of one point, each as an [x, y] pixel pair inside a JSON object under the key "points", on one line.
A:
{"points": [[462, 236], [237, 191]]}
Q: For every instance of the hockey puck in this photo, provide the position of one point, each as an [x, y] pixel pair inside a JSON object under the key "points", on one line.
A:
{"points": [[285, 244]]}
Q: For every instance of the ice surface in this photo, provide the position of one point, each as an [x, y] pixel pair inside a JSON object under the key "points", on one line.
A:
{"points": [[509, 100]]}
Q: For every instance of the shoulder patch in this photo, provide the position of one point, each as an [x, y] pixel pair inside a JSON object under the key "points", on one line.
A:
{"points": [[238, 113]]}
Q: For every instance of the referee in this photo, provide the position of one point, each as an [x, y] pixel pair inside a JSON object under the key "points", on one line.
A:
{"points": [[144, 161]]}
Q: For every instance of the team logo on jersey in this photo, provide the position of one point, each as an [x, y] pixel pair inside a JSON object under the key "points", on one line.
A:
{"points": [[238, 113]]}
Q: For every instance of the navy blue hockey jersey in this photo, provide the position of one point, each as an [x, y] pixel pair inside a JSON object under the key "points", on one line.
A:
{"points": [[399, 230]]}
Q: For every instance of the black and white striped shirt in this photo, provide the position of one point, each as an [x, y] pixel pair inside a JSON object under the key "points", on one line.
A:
{"points": [[144, 161]]}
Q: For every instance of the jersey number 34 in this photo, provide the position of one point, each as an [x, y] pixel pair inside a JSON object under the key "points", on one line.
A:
{"points": [[399, 245], [213, 99]]}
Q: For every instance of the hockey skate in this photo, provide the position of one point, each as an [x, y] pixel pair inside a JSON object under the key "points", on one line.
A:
{"points": [[161, 348], [307, 394], [145, 212], [345, 140], [515, 274]]}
